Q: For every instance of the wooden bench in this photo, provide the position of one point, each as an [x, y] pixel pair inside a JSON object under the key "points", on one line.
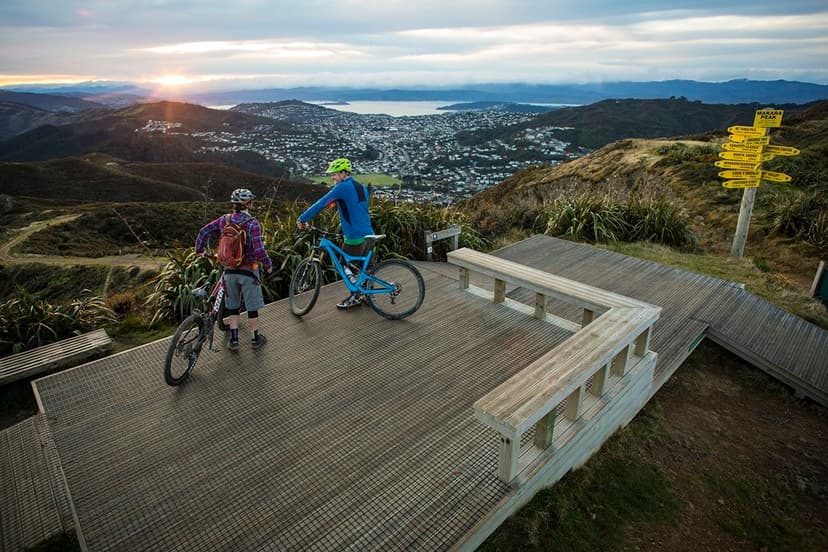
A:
{"points": [[52, 357], [598, 355]]}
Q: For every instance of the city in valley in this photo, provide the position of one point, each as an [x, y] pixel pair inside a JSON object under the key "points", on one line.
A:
{"points": [[413, 158]]}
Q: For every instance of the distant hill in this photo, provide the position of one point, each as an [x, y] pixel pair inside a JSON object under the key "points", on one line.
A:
{"points": [[102, 178], [49, 102], [119, 133], [598, 124]]}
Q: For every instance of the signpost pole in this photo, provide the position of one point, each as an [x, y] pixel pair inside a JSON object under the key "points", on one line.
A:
{"points": [[745, 213]]}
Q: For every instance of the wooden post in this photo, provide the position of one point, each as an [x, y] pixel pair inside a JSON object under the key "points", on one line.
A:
{"points": [[575, 404], [541, 302], [620, 362], [642, 343], [499, 291], [544, 429], [507, 462], [428, 244], [600, 381], [587, 317], [745, 212], [464, 278]]}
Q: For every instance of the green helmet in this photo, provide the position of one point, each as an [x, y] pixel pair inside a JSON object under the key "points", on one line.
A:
{"points": [[337, 165]]}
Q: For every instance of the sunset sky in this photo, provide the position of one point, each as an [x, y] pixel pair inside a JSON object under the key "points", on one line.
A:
{"points": [[390, 43]]}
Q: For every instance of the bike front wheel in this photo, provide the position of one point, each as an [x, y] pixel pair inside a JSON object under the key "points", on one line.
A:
{"points": [[403, 289], [184, 350], [304, 287]]}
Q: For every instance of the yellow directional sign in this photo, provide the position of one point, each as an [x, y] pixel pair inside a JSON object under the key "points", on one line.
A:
{"points": [[750, 175], [742, 139], [774, 176], [742, 183], [741, 156], [746, 130], [782, 150], [765, 118], [731, 146], [744, 165]]}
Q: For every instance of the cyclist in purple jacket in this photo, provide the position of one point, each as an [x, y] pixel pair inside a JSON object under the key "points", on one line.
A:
{"points": [[244, 280]]}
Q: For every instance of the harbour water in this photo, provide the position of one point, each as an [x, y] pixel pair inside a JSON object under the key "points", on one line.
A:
{"points": [[395, 109]]}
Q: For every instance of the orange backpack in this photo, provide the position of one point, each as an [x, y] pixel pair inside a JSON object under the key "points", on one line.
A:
{"points": [[231, 245]]}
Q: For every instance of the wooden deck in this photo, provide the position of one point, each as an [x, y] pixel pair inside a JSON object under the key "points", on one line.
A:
{"points": [[348, 431]]}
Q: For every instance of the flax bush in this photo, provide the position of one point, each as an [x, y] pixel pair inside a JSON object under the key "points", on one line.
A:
{"points": [[594, 219], [27, 322], [587, 218]]}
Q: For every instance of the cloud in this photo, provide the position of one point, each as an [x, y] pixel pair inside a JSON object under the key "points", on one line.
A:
{"points": [[396, 42]]}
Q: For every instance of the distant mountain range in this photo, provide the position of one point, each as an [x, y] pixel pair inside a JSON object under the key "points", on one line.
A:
{"points": [[733, 91]]}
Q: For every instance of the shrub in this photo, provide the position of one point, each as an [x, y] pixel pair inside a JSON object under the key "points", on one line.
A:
{"points": [[658, 221], [27, 322], [587, 218], [792, 214], [172, 295]]}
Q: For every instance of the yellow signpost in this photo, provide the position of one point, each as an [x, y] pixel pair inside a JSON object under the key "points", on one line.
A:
{"points": [[753, 175], [780, 150], [754, 157], [746, 165], [750, 139], [746, 130], [741, 183], [730, 146], [743, 156], [775, 176], [766, 118]]}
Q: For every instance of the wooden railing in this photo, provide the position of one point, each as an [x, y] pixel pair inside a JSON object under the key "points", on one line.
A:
{"points": [[612, 341]]}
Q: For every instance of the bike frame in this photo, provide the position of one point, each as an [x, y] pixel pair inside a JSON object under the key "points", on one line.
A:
{"points": [[335, 253], [217, 296]]}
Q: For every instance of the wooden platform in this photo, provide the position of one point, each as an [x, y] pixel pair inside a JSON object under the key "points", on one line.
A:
{"points": [[348, 431]]}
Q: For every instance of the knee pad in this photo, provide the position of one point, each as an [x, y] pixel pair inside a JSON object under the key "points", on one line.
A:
{"points": [[252, 314], [233, 312]]}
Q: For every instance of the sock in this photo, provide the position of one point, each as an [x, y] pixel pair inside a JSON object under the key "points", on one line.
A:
{"points": [[234, 334], [255, 335]]}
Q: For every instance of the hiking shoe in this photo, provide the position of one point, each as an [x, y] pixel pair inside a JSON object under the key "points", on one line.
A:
{"points": [[352, 301], [233, 345], [258, 341]]}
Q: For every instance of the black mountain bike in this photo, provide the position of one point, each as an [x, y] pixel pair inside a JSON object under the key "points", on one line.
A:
{"points": [[196, 330]]}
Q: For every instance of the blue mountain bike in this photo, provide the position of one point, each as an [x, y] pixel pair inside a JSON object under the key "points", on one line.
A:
{"points": [[394, 288]]}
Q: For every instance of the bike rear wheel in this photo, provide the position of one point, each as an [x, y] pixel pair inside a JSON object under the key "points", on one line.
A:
{"points": [[408, 289], [304, 287], [184, 350]]}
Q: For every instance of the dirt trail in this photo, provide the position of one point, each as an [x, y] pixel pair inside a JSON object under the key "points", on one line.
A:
{"points": [[6, 256]]}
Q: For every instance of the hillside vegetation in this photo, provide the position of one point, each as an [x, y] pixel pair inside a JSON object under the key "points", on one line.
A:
{"points": [[115, 132], [99, 177]]}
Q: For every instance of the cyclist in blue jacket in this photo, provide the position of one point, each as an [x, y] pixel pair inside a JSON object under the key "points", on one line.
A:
{"points": [[351, 199]]}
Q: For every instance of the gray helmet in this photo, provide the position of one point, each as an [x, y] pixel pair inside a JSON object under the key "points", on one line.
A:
{"points": [[242, 195]]}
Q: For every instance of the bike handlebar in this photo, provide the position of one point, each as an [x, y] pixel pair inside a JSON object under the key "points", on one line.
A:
{"points": [[324, 232]]}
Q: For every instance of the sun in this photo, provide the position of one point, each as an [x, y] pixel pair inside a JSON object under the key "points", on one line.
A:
{"points": [[172, 80]]}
